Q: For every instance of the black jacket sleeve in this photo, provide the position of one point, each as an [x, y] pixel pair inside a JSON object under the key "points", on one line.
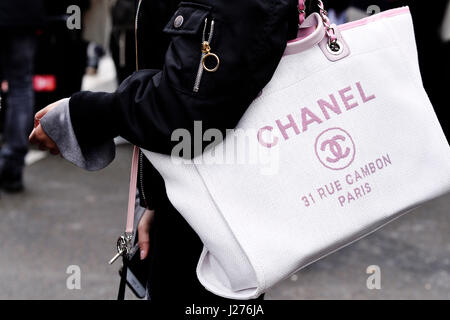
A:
{"points": [[249, 37]]}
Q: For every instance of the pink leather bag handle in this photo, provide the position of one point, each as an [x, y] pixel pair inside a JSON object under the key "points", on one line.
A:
{"points": [[323, 13], [132, 192], [301, 11]]}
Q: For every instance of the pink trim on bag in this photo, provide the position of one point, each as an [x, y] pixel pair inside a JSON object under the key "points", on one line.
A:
{"points": [[364, 21]]}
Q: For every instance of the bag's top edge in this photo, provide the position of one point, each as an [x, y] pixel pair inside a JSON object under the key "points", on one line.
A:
{"points": [[364, 21]]}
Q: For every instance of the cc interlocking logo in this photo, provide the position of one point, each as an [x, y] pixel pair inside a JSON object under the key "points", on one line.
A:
{"points": [[335, 149]]}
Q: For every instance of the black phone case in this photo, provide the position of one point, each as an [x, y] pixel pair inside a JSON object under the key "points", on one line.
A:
{"points": [[137, 273]]}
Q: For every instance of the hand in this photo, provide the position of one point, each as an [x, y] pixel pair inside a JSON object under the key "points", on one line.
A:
{"points": [[38, 135], [144, 232]]}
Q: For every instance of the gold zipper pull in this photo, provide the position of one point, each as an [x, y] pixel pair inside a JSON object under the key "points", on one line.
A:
{"points": [[206, 50], [205, 47], [206, 53]]}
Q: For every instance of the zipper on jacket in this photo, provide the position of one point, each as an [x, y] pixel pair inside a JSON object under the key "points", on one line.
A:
{"points": [[141, 155], [141, 176], [205, 43]]}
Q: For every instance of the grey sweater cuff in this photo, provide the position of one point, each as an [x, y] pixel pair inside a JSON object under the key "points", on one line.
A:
{"points": [[58, 126]]}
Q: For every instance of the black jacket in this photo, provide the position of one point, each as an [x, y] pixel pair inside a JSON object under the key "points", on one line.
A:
{"points": [[21, 13]]}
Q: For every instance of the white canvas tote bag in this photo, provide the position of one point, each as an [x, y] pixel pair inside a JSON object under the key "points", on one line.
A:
{"points": [[346, 141]]}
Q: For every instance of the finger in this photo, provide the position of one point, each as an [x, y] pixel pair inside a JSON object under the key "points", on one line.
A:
{"points": [[144, 247], [36, 136], [32, 137], [143, 238], [36, 122], [40, 114], [44, 139], [37, 118], [144, 234]]}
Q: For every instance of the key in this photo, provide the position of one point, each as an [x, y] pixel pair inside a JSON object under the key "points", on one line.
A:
{"points": [[122, 247], [117, 256]]}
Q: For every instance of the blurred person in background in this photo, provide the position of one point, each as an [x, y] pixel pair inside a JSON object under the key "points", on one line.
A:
{"points": [[19, 20], [96, 32], [122, 38], [337, 11], [63, 51], [342, 11]]}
